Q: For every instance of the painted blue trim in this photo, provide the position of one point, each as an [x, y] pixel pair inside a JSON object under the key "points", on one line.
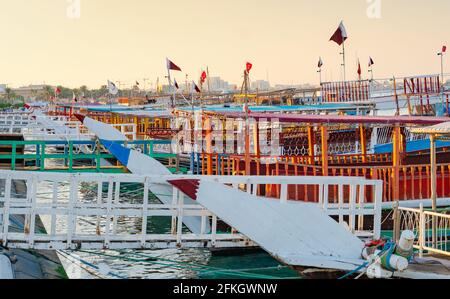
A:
{"points": [[120, 152], [411, 146]]}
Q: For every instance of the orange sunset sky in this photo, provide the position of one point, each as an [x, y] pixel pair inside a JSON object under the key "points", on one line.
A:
{"points": [[45, 41]]}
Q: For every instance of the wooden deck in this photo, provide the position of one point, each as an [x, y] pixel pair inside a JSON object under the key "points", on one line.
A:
{"points": [[429, 267]]}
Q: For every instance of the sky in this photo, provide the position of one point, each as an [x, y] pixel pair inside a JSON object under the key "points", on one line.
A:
{"points": [[87, 42]]}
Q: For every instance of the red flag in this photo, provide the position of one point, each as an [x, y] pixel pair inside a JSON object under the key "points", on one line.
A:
{"points": [[444, 49], [248, 67], [371, 62], [172, 66], [176, 84], [340, 35], [203, 77], [57, 90]]}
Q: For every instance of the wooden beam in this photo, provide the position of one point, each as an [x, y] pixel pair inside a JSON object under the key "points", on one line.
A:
{"points": [[363, 142], [324, 133], [256, 144], [208, 139], [311, 144], [396, 160]]}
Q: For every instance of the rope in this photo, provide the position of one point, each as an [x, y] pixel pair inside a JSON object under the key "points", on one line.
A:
{"points": [[386, 248], [363, 266]]}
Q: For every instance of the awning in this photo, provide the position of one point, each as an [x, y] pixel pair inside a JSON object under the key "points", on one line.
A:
{"points": [[439, 129]]}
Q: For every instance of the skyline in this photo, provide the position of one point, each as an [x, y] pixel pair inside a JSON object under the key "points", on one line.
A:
{"points": [[130, 40]]}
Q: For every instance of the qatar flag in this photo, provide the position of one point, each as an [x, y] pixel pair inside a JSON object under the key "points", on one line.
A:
{"points": [[371, 62], [112, 88], [176, 84], [195, 87], [359, 69], [172, 66], [74, 97], [444, 49], [57, 90], [320, 64], [340, 35]]}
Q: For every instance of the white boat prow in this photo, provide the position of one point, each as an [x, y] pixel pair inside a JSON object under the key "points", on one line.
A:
{"points": [[140, 164], [297, 233]]}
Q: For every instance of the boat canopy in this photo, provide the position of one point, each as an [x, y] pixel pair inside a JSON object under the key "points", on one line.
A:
{"points": [[343, 119], [439, 129]]}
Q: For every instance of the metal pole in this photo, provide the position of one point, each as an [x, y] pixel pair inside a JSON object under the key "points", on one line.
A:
{"points": [[442, 77], [192, 133], [396, 99], [170, 88], [209, 83], [343, 58], [433, 185], [247, 127], [433, 171], [320, 75]]}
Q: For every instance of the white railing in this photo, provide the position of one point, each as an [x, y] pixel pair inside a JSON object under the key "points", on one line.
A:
{"points": [[90, 211], [354, 202], [430, 237]]}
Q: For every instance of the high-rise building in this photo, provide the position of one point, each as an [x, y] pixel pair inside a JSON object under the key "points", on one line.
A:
{"points": [[217, 84], [261, 85]]}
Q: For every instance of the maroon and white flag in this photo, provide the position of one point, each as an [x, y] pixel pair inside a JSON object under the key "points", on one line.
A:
{"points": [[172, 66], [371, 62], [359, 69], [340, 35], [444, 49], [176, 84], [320, 64], [195, 87]]}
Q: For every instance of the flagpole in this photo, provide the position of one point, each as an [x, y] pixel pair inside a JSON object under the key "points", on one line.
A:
{"points": [[209, 83], [442, 76], [320, 75], [247, 127], [192, 131], [343, 58], [171, 89]]}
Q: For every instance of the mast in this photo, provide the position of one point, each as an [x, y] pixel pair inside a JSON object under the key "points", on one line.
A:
{"points": [[209, 82], [442, 74], [320, 75], [247, 126], [343, 58], [171, 89]]}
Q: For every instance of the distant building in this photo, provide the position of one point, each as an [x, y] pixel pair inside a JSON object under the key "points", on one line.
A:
{"points": [[296, 86], [31, 91], [217, 84], [261, 85]]}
